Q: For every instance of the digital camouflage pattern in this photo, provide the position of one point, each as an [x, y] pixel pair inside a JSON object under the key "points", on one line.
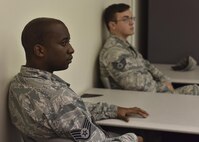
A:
{"points": [[43, 106], [126, 68], [123, 67]]}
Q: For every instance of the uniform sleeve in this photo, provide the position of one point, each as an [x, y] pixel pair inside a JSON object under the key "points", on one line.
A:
{"points": [[70, 122], [127, 70], [128, 137], [60, 118], [102, 110], [157, 74]]}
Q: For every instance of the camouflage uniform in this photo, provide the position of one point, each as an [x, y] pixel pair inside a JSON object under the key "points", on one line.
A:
{"points": [[123, 67], [42, 106]]}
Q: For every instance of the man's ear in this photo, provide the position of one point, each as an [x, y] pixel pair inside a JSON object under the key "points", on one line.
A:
{"points": [[112, 25], [39, 50]]}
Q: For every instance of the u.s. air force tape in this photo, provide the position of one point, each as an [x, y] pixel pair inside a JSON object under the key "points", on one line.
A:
{"points": [[84, 133]]}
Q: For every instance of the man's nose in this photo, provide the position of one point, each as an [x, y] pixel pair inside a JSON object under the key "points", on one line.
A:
{"points": [[71, 50]]}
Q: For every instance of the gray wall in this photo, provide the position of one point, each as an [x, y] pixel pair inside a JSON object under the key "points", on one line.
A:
{"points": [[173, 30]]}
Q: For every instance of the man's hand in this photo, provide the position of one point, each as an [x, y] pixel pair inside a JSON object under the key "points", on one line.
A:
{"points": [[140, 139], [169, 86], [123, 113]]}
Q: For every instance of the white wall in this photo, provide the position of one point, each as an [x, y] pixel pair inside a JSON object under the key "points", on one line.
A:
{"points": [[82, 17]]}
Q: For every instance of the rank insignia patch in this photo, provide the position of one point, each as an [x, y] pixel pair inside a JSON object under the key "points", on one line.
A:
{"points": [[119, 65], [84, 133]]}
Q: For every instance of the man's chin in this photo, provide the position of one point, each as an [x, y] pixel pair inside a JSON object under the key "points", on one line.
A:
{"points": [[132, 33], [63, 68]]}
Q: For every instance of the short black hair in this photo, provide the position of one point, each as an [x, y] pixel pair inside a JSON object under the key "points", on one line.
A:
{"points": [[110, 12], [34, 32]]}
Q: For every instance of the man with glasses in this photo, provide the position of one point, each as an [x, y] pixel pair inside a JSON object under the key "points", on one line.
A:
{"points": [[122, 66]]}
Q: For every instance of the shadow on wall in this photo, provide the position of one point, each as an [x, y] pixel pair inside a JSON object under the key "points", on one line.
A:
{"points": [[96, 71], [12, 134], [7, 131], [96, 76]]}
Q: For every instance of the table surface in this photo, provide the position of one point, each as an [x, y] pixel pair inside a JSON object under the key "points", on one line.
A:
{"points": [[188, 77], [167, 112]]}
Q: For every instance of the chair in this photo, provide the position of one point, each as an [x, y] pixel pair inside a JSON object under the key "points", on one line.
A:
{"points": [[106, 82]]}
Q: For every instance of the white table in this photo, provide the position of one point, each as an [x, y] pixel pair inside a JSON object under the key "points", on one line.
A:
{"points": [[168, 112], [188, 77]]}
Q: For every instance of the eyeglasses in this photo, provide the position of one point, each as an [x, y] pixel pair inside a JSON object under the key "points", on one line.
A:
{"points": [[127, 19]]}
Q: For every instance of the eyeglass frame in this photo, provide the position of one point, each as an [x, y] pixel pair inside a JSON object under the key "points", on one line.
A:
{"points": [[126, 19]]}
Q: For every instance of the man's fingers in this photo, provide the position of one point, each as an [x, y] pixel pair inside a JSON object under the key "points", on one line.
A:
{"points": [[123, 113], [138, 111], [143, 114]]}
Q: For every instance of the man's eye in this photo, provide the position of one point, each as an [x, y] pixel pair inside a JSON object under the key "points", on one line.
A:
{"points": [[64, 43], [125, 19]]}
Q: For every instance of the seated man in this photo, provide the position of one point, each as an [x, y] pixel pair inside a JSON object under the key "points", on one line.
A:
{"points": [[122, 66], [42, 106]]}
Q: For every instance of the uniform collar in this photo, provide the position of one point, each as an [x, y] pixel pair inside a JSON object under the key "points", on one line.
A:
{"points": [[37, 73], [122, 41]]}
